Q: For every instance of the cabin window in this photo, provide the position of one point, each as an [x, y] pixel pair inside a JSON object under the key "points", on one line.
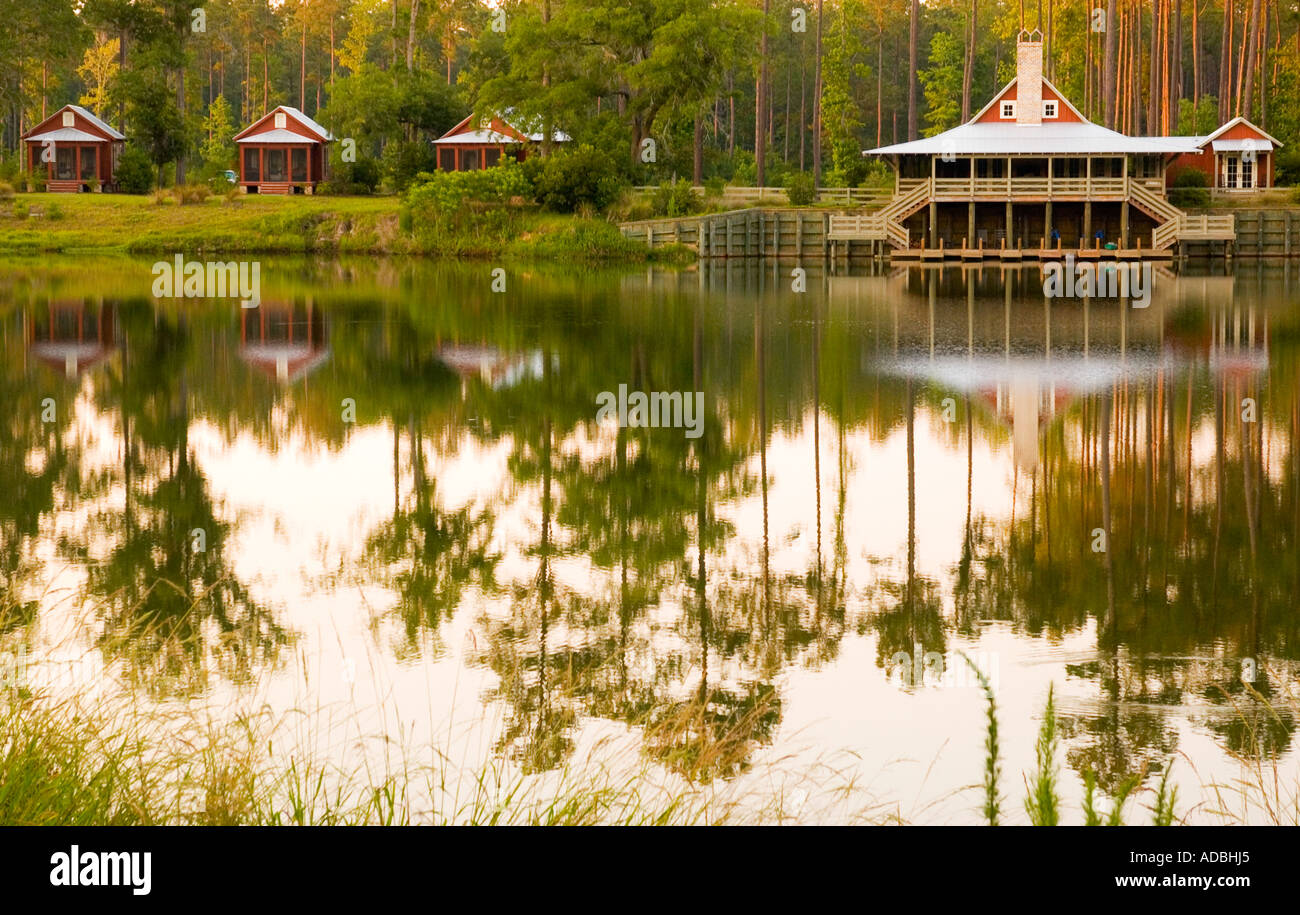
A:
{"points": [[447, 159], [1232, 171], [252, 165], [88, 163], [298, 159], [277, 165], [1008, 109], [65, 163], [491, 156], [69, 119], [1247, 172], [1049, 109], [281, 120], [469, 160]]}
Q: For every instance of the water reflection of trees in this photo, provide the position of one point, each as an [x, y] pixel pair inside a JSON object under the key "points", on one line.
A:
{"points": [[156, 564], [642, 603]]}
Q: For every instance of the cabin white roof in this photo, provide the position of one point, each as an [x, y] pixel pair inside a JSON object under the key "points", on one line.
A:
{"points": [[278, 135], [97, 122], [1241, 145], [1067, 138], [474, 138], [66, 135], [307, 122]]}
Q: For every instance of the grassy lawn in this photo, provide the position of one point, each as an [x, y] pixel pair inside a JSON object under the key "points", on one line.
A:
{"points": [[238, 224], [254, 224]]}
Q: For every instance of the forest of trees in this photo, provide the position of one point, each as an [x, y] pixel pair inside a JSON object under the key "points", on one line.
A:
{"points": [[743, 90]]}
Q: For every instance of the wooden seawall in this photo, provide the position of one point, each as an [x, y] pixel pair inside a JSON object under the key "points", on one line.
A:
{"points": [[801, 234]]}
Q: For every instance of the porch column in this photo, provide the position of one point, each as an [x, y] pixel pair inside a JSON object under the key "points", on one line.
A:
{"points": [[934, 223], [1086, 241], [1123, 223], [1047, 218], [970, 224], [1011, 239]]}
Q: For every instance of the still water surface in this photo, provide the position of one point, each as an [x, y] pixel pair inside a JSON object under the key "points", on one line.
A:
{"points": [[385, 494]]}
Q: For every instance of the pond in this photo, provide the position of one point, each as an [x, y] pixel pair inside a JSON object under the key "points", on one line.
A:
{"points": [[707, 517]]}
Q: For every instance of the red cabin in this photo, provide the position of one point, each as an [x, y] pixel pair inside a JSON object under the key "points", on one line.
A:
{"points": [[1236, 157], [76, 150], [476, 144], [283, 153]]}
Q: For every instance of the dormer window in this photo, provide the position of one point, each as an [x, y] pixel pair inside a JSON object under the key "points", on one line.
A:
{"points": [[1049, 109], [281, 120], [69, 119], [1008, 109]]}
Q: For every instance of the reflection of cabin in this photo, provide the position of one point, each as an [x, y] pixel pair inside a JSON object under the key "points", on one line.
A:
{"points": [[493, 367], [285, 341], [72, 335], [76, 150], [282, 153], [475, 144]]}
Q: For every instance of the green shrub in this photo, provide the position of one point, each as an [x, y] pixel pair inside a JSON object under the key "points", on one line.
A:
{"points": [[570, 177], [135, 172], [799, 189], [351, 178], [1190, 189], [54, 213], [403, 161], [676, 198], [20, 210], [6, 190], [11, 167], [715, 186], [444, 197]]}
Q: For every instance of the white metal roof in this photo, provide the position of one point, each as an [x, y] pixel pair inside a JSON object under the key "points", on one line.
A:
{"points": [[66, 135], [307, 122], [97, 122], [1255, 143], [1069, 138], [279, 135], [474, 137]]}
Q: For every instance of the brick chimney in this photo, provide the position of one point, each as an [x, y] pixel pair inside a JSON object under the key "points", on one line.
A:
{"points": [[1029, 79]]}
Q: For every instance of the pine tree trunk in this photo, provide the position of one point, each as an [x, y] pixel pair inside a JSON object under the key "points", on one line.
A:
{"points": [[1196, 63], [410, 37], [697, 170], [1252, 57], [969, 68], [1225, 64], [817, 104], [1153, 78], [1108, 67], [913, 35], [760, 103]]}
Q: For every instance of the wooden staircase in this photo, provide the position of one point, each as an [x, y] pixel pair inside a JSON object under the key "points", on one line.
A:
{"points": [[1175, 225], [885, 224]]}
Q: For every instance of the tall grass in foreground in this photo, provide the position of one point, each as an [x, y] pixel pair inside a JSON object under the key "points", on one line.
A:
{"points": [[1042, 801]]}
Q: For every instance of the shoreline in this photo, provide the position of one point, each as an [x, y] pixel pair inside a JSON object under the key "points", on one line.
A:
{"points": [[36, 224]]}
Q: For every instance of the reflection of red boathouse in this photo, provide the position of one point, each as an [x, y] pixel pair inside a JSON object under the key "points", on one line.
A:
{"points": [[72, 335], [285, 340]]}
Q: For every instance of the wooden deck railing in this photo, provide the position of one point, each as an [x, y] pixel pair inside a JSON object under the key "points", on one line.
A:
{"points": [[849, 196]]}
